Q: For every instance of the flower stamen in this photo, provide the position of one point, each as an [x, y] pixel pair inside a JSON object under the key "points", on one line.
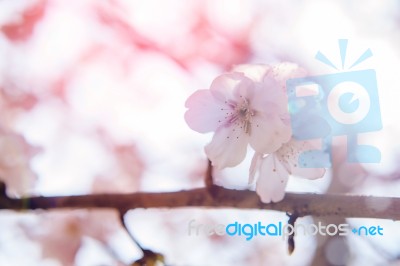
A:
{"points": [[241, 115]]}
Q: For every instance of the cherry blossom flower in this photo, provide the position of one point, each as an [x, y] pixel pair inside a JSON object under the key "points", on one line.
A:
{"points": [[249, 106], [241, 110], [274, 169]]}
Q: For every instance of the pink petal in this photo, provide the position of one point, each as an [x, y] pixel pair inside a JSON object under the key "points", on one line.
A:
{"points": [[244, 89], [284, 71], [254, 166], [223, 86], [252, 71], [269, 99], [309, 173], [289, 154], [204, 114], [268, 133], [287, 70], [227, 148], [272, 181]]}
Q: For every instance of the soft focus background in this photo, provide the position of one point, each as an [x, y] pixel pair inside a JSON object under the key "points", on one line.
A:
{"points": [[92, 100]]}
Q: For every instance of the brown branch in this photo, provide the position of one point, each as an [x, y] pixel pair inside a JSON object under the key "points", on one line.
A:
{"points": [[301, 204], [208, 178]]}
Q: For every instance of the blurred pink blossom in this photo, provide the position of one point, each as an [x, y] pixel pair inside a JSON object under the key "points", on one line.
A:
{"points": [[15, 169], [22, 27], [60, 233], [125, 175]]}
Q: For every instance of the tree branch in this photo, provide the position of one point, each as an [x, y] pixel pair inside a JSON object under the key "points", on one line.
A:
{"points": [[301, 204]]}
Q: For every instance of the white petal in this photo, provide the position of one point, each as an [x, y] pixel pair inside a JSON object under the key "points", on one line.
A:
{"points": [[244, 89], [228, 147], [269, 99], [253, 71], [269, 128], [284, 71], [289, 154], [204, 114], [272, 181], [288, 70], [268, 133], [222, 88], [254, 166], [309, 173]]}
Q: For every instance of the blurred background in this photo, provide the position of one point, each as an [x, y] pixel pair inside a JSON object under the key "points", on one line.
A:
{"points": [[92, 100]]}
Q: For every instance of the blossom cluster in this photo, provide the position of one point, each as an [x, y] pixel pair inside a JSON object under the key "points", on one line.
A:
{"points": [[249, 106]]}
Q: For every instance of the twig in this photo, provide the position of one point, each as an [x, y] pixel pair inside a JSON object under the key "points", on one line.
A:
{"points": [[149, 257], [208, 179], [292, 220]]}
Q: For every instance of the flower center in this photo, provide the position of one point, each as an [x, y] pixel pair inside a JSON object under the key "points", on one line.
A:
{"points": [[246, 114], [242, 115]]}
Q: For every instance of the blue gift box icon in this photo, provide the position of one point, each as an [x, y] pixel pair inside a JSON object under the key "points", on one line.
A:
{"points": [[325, 106]]}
